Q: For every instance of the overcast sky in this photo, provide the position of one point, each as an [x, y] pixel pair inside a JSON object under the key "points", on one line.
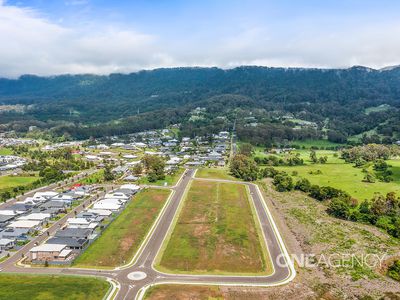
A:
{"points": [[48, 37]]}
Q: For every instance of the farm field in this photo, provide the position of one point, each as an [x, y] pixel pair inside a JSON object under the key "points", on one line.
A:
{"points": [[215, 233], [42, 287], [119, 242], [169, 179], [341, 175], [214, 173], [12, 181]]}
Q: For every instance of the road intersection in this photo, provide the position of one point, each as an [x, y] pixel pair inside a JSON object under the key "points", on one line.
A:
{"points": [[133, 279]]}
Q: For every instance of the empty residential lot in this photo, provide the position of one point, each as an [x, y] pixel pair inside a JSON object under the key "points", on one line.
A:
{"points": [[43, 287], [119, 242], [215, 233]]}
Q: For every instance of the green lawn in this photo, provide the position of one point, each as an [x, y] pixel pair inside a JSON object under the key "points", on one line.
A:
{"points": [[12, 181], [338, 174], [42, 287], [214, 173], [5, 151], [215, 233], [169, 179], [119, 242], [316, 143]]}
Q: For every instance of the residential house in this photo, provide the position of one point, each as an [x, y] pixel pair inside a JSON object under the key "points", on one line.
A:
{"points": [[50, 252]]}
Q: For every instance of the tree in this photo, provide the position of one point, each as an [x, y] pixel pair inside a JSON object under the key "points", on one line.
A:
{"points": [[394, 270], [339, 208], [154, 166], [246, 149], [283, 182], [137, 169], [244, 168], [313, 156], [303, 185], [108, 174]]}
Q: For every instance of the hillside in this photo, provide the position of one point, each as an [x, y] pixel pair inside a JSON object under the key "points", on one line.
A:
{"points": [[335, 99]]}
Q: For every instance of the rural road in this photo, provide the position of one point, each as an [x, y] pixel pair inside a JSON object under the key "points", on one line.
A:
{"points": [[136, 278]]}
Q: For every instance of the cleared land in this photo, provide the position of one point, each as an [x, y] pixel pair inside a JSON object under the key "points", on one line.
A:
{"points": [[5, 151], [341, 175], [12, 181], [183, 292], [307, 228], [169, 179], [22, 287], [215, 233], [214, 173], [119, 242]]}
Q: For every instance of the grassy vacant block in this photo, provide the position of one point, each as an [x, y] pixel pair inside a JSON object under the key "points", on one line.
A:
{"points": [[214, 173], [183, 292], [215, 233], [119, 242], [169, 179], [12, 181], [42, 287], [341, 175], [5, 151]]}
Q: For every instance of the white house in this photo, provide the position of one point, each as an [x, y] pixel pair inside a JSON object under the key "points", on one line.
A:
{"points": [[44, 196], [107, 205], [50, 252], [129, 186], [117, 195], [81, 223], [27, 224], [41, 217]]}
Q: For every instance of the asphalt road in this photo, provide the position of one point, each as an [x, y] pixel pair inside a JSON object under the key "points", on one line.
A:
{"points": [[131, 288]]}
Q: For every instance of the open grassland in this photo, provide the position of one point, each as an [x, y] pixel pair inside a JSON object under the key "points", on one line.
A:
{"points": [[215, 233], [42, 287], [316, 143], [5, 151], [214, 173], [119, 242], [169, 179], [13, 181], [341, 175]]}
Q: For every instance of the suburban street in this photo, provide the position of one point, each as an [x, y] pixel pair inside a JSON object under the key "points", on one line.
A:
{"points": [[134, 279]]}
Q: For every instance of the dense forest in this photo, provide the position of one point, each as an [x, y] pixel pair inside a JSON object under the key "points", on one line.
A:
{"points": [[265, 102]]}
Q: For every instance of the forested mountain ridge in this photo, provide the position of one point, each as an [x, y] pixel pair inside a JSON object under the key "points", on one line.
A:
{"points": [[155, 98]]}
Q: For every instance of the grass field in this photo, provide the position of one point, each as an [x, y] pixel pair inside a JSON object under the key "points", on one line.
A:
{"points": [[214, 173], [38, 287], [119, 242], [12, 181], [338, 174], [215, 233], [5, 151], [169, 179], [316, 143], [183, 292]]}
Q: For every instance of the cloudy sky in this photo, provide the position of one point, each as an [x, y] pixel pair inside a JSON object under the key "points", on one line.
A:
{"points": [[47, 37]]}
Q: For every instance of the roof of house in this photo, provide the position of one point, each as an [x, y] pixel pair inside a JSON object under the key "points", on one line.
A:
{"points": [[49, 248], [23, 224], [35, 217], [5, 242], [69, 241], [5, 218], [74, 232]]}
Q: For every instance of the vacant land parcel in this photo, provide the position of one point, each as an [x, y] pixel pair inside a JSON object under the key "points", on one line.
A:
{"points": [[215, 232], [122, 238], [41, 287]]}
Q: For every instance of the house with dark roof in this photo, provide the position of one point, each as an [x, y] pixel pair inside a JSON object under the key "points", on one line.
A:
{"points": [[71, 243]]}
